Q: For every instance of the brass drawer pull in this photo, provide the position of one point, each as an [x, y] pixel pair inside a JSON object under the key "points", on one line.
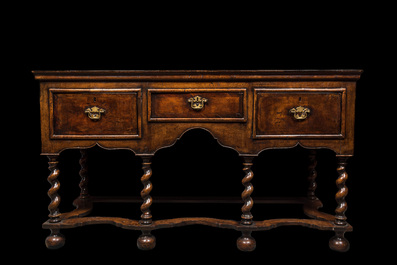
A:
{"points": [[197, 102], [300, 113], [94, 113]]}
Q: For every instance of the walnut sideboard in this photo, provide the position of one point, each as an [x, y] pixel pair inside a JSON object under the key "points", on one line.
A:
{"points": [[249, 111]]}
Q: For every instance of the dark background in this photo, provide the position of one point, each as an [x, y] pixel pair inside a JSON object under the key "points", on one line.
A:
{"points": [[78, 39]]}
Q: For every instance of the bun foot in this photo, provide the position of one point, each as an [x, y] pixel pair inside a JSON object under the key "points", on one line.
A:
{"points": [[339, 242], [246, 242], [55, 240], [146, 241]]}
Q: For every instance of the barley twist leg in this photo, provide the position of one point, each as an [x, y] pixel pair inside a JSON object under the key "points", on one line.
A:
{"points": [[340, 217], [312, 176], [55, 239], [84, 175], [339, 242], [246, 217], [246, 242], [53, 191], [146, 217], [146, 240]]}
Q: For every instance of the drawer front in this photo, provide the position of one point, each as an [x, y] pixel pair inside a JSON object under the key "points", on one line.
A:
{"points": [[197, 105], [299, 113], [95, 113]]}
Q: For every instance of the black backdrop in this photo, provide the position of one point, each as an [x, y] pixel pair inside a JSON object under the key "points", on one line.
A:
{"points": [[105, 47]]}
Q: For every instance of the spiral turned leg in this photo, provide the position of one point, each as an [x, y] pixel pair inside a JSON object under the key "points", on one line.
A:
{"points": [[53, 191], [84, 176], [146, 217], [246, 242], [339, 242], [146, 241], [84, 199], [340, 217], [312, 176], [55, 239], [246, 217]]}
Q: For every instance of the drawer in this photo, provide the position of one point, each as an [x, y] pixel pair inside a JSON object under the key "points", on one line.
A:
{"points": [[95, 113], [197, 105], [299, 113]]}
